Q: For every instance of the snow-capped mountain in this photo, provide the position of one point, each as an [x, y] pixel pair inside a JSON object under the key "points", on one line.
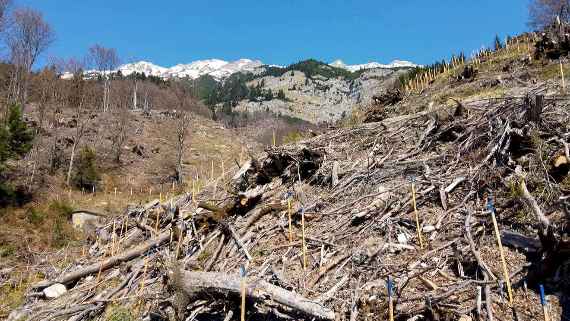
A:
{"points": [[145, 67], [216, 68], [372, 65], [220, 69]]}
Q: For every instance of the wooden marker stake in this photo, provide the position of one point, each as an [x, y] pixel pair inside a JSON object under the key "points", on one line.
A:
{"points": [[274, 138], [144, 276], [562, 75], [417, 217], [113, 239], [157, 219], [180, 239], [543, 303], [303, 234], [501, 252], [290, 229], [212, 175]]}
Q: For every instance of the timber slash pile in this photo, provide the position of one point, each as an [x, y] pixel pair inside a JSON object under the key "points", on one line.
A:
{"points": [[352, 189], [315, 230]]}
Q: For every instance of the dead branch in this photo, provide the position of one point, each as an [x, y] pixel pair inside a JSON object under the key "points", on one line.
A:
{"points": [[195, 283]]}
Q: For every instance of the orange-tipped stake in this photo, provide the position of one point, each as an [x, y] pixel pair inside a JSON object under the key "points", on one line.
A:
{"points": [[417, 217], [491, 208], [290, 229]]}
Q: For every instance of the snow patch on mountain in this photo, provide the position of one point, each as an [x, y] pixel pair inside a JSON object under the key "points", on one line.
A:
{"points": [[214, 67], [373, 65], [221, 69]]}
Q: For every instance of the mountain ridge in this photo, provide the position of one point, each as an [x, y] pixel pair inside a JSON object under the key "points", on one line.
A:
{"points": [[221, 69]]}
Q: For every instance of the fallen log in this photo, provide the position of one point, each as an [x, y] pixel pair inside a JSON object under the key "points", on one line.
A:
{"points": [[106, 264], [209, 283], [520, 241]]}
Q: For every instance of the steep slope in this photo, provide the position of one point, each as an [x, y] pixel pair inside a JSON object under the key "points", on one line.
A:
{"points": [[346, 225], [319, 99]]}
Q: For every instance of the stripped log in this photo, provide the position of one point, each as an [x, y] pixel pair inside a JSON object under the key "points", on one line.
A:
{"points": [[210, 283], [533, 205], [106, 264]]}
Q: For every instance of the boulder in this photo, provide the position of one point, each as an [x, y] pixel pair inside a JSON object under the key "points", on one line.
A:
{"points": [[54, 291], [81, 219]]}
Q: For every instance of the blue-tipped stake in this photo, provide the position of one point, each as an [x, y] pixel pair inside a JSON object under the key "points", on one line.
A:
{"points": [[390, 287], [243, 273], [543, 302]]}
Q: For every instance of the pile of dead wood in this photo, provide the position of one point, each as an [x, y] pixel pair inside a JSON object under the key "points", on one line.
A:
{"points": [[377, 112], [554, 42], [313, 230]]}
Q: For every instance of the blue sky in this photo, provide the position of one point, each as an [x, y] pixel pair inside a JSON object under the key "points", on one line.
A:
{"points": [[279, 31]]}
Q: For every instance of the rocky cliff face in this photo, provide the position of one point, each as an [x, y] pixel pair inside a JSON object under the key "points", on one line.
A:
{"points": [[319, 99]]}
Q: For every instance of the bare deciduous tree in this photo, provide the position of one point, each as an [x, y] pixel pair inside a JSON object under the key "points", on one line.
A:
{"points": [[80, 97], [105, 60], [120, 121], [544, 12], [181, 133], [27, 38], [5, 5]]}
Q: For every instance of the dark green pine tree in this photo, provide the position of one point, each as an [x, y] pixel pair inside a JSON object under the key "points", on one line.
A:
{"points": [[4, 146], [20, 136], [281, 94], [86, 174], [497, 43]]}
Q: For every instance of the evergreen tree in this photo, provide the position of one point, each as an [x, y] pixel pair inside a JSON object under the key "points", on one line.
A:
{"points": [[19, 135], [4, 146], [86, 173], [498, 44], [269, 94], [281, 94]]}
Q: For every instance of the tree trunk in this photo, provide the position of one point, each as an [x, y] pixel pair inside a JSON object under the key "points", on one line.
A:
{"points": [[135, 95], [107, 263], [210, 283], [71, 163]]}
